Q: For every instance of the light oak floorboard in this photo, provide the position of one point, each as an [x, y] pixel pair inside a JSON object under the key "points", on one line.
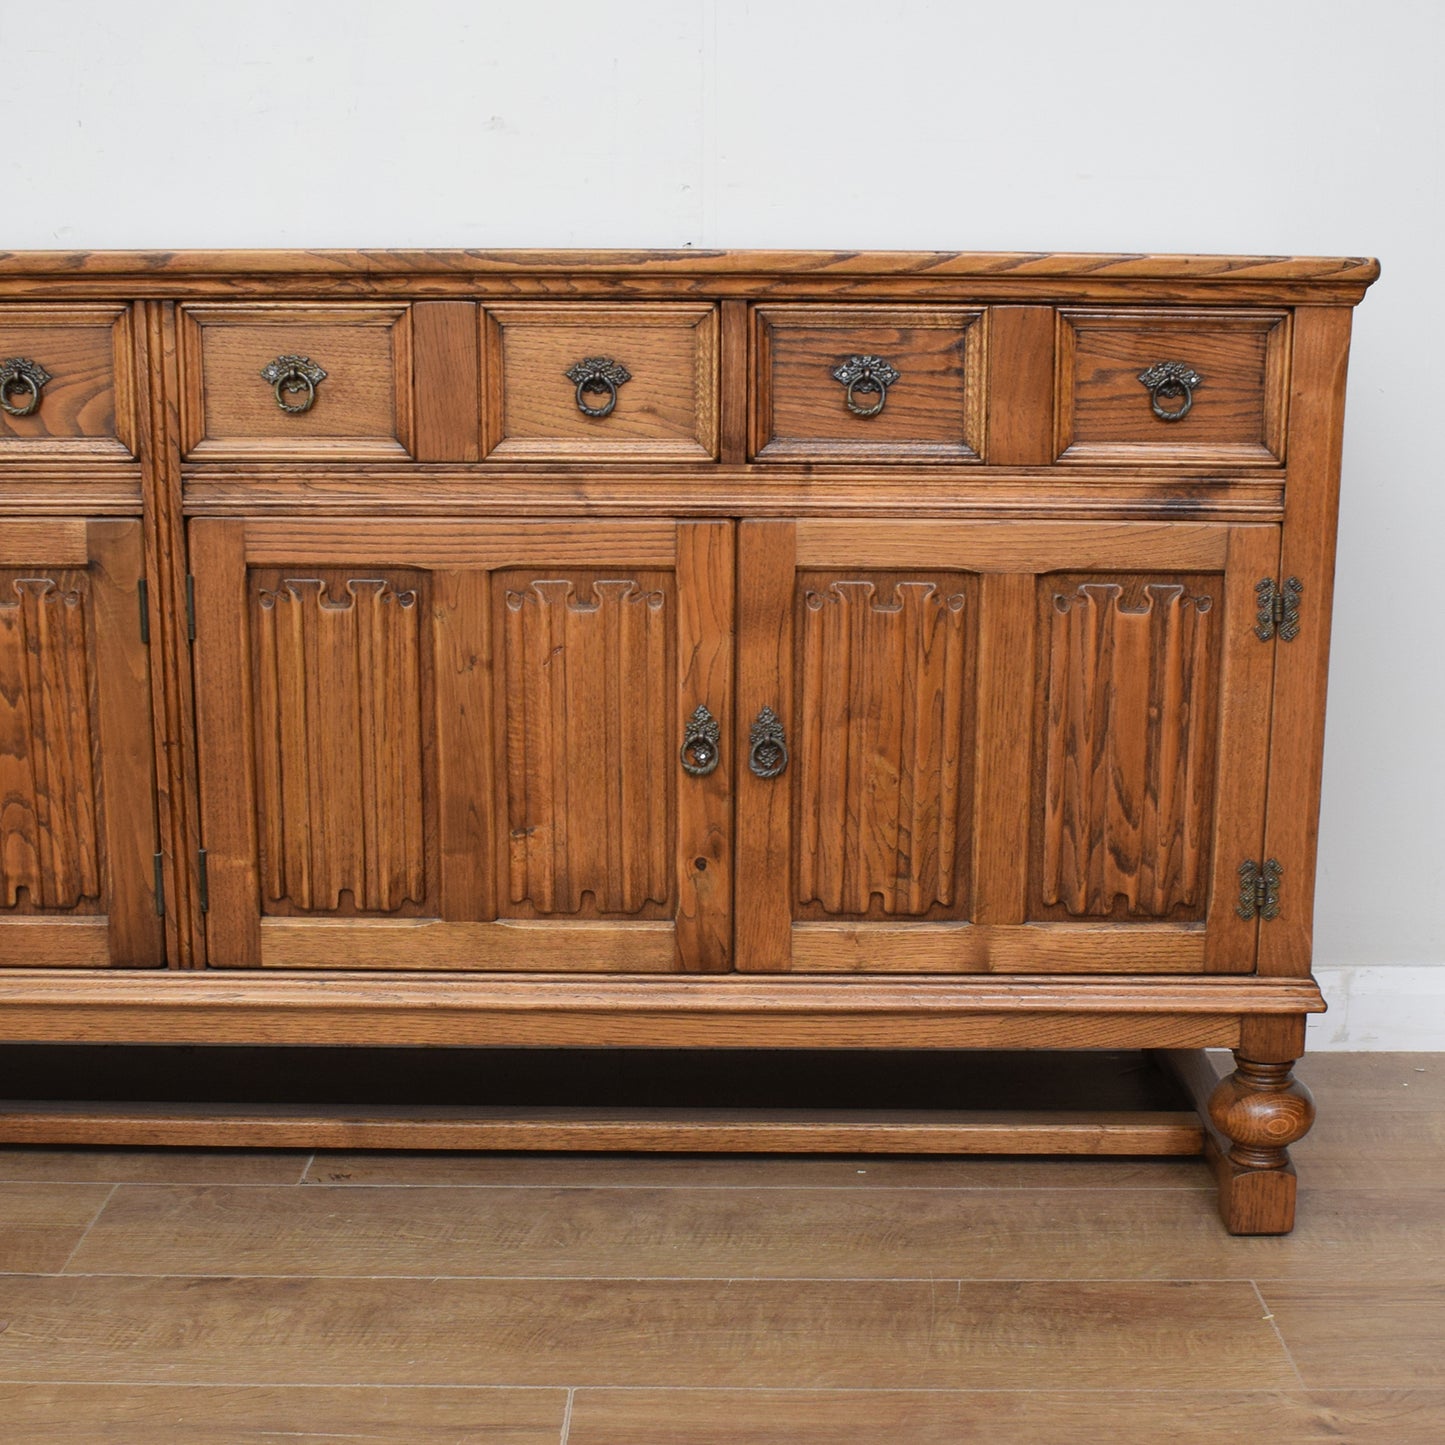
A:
{"points": [[750, 1233], [1362, 1334], [687, 1171], [40, 1224], [62, 1414], [160, 1166], [1040, 1417], [833, 1334]]}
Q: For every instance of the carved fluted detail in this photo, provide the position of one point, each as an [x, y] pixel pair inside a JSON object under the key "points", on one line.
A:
{"points": [[1129, 748], [339, 742], [49, 809], [880, 745], [589, 744]]}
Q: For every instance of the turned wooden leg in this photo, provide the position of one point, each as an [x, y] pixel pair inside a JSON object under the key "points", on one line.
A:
{"points": [[1260, 1109]]}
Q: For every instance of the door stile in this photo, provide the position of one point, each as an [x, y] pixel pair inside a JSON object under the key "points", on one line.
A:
{"points": [[465, 745], [1246, 688], [705, 588], [1004, 715], [225, 722], [122, 676], [767, 563]]}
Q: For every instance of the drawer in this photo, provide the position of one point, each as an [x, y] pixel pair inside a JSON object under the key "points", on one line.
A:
{"points": [[1190, 387], [868, 383], [67, 388], [591, 381], [296, 381]]}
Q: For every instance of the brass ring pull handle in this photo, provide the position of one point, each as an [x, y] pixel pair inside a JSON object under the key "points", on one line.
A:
{"points": [[700, 744], [865, 376], [768, 755], [294, 376], [597, 376], [26, 377], [1173, 379]]}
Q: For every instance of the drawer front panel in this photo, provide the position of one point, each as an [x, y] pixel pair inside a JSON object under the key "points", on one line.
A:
{"points": [[344, 372], [67, 388], [646, 374], [868, 383], [1192, 388]]}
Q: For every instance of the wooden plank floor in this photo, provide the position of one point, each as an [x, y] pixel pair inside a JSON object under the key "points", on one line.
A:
{"points": [[191, 1296]]}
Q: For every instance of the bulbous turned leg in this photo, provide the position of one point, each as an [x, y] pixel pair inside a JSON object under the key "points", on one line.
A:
{"points": [[1261, 1109]]}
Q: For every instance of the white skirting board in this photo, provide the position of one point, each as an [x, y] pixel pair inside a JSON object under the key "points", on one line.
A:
{"points": [[1391, 1006]]}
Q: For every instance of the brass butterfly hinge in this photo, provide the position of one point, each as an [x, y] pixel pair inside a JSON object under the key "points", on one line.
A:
{"points": [[1259, 888], [1277, 609]]}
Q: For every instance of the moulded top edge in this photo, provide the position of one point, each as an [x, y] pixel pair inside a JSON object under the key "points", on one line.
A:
{"points": [[1040, 265]]}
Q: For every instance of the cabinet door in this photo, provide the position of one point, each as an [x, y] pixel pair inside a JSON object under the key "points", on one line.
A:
{"points": [[445, 744], [1012, 746], [77, 801]]}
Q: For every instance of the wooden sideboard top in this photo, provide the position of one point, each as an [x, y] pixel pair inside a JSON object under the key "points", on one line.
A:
{"points": [[986, 275]]}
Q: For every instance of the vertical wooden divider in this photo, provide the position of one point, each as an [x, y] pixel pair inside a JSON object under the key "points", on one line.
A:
{"points": [[733, 447], [1246, 671], [172, 702], [1003, 768], [225, 723], [1020, 426], [137, 937], [1307, 551], [705, 568], [767, 564], [446, 381], [466, 785]]}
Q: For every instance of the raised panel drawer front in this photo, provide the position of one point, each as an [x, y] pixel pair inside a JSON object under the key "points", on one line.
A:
{"points": [[457, 745], [77, 804], [284, 381], [600, 382], [1014, 747], [1184, 388], [852, 383], [66, 385]]}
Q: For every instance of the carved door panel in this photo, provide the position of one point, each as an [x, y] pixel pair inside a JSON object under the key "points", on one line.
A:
{"points": [[1012, 747], [77, 799], [456, 745]]}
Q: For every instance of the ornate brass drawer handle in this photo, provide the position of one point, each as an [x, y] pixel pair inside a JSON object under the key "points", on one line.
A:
{"points": [[700, 744], [768, 755], [1171, 379], [294, 376], [597, 376], [865, 376], [26, 377]]}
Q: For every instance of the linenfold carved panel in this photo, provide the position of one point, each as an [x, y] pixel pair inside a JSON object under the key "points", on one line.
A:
{"points": [[49, 809], [1131, 688], [588, 693], [339, 740], [882, 687]]}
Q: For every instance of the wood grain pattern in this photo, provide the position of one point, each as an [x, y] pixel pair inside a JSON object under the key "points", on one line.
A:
{"points": [[668, 411], [181, 1414], [362, 409], [934, 412], [1128, 736], [87, 409], [867, 1334], [1020, 386], [1104, 412], [883, 672], [587, 693], [1041, 1417], [41, 1223]]}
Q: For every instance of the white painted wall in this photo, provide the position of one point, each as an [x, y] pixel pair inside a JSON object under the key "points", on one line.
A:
{"points": [[1288, 126]]}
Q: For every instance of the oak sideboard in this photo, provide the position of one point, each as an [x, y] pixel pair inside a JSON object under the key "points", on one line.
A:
{"points": [[671, 649]]}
